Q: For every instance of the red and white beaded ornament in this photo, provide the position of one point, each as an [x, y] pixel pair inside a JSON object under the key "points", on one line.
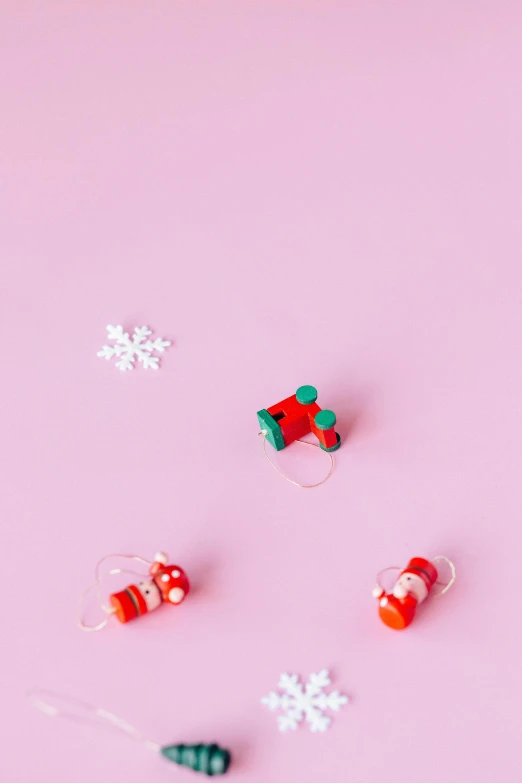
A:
{"points": [[397, 609], [164, 584]]}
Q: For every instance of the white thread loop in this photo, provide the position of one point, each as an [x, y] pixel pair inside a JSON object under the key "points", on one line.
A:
{"points": [[296, 483], [76, 710], [384, 570], [96, 585], [453, 574]]}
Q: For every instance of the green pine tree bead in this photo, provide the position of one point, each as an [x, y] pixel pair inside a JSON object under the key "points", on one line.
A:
{"points": [[208, 759]]}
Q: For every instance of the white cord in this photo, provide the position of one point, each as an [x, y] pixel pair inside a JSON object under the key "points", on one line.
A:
{"points": [[76, 710], [453, 574], [296, 483]]}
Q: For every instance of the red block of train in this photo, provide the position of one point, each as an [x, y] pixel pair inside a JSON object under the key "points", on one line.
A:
{"points": [[297, 416]]}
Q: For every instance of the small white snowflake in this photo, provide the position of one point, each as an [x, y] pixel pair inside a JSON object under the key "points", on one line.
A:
{"points": [[309, 703], [127, 349]]}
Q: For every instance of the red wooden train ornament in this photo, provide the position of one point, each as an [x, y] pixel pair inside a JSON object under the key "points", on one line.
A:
{"points": [[297, 416], [397, 609], [167, 584]]}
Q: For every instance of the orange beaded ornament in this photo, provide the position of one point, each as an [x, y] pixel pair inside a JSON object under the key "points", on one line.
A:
{"points": [[397, 609]]}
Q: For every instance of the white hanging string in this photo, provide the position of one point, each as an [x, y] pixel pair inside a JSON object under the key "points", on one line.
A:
{"points": [[384, 570], [296, 483], [96, 585], [453, 575], [57, 705]]}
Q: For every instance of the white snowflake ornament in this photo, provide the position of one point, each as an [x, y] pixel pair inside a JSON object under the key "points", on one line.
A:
{"points": [[128, 350], [309, 703]]}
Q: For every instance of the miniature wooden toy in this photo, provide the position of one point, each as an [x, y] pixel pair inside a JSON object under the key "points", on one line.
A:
{"points": [[415, 582], [209, 759], [168, 584], [297, 416]]}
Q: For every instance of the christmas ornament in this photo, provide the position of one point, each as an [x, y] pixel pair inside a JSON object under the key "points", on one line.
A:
{"points": [[128, 350], [308, 703], [415, 582], [295, 417], [165, 584], [209, 759]]}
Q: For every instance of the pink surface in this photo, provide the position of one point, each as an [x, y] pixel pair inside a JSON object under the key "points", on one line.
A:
{"points": [[323, 193]]}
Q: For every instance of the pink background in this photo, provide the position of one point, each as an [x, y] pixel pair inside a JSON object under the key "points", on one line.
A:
{"points": [[323, 193]]}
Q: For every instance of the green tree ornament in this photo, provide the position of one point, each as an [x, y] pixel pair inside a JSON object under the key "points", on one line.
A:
{"points": [[208, 759]]}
